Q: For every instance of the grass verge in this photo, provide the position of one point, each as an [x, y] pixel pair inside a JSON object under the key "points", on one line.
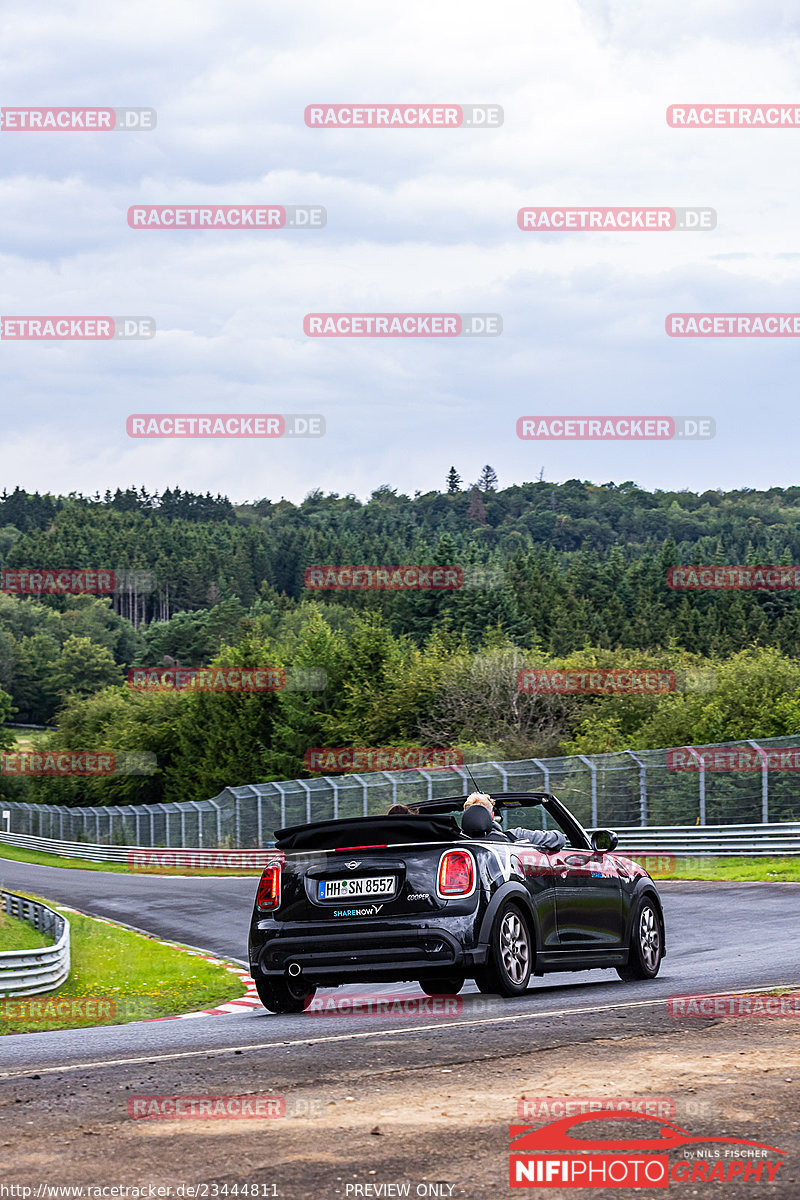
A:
{"points": [[731, 870], [19, 935], [118, 976]]}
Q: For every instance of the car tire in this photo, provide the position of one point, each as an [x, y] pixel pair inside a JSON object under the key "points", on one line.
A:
{"points": [[443, 985], [280, 996], [510, 959], [646, 946]]}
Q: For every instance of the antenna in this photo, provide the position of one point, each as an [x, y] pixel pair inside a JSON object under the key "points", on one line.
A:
{"points": [[474, 784]]}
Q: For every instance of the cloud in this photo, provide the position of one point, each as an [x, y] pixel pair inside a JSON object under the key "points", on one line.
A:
{"points": [[417, 221]]}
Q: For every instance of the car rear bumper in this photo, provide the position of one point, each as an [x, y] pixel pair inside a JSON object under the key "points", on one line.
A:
{"points": [[389, 954]]}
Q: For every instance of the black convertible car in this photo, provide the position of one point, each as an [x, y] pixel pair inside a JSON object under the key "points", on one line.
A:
{"points": [[417, 897]]}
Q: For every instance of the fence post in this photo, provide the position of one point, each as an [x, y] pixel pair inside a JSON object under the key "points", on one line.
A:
{"points": [[282, 793], [392, 777], [307, 791], [165, 808], [366, 793], [699, 759], [335, 785], [429, 781], [642, 788], [215, 806], [463, 777], [503, 772], [593, 769], [196, 805], [546, 772], [764, 781]]}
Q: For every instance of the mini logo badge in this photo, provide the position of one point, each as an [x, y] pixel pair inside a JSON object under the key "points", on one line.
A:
{"points": [[351, 866]]}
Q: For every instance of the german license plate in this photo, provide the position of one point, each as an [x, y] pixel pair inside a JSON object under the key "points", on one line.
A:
{"points": [[364, 885]]}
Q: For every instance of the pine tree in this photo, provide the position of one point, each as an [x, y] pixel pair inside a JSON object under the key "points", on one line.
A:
{"points": [[487, 481], [453, 481]]}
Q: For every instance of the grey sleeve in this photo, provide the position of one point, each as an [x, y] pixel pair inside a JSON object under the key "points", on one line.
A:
{"points": [[548, 840]]}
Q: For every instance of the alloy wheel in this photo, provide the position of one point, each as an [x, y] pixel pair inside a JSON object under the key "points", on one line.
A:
{"points": [[649, 937], [514, 947]]}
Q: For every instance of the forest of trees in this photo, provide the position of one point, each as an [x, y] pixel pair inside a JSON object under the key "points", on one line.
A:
{"points": [[554, 574]]}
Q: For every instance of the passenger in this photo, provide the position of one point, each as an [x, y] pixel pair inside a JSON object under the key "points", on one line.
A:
{"points": [[400, 809], [548, 840]]}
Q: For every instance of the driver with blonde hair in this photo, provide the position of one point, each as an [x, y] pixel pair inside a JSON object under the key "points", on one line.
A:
{"points": [[544, 839]]}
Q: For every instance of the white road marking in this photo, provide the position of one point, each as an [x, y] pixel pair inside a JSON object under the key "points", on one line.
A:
{"points": [[208, 1052]]}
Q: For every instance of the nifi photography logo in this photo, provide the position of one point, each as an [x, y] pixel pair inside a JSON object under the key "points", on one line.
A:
{"points": [[561, 1154]]}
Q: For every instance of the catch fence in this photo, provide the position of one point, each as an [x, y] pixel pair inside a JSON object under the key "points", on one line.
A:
{"points": [[746, 783]]}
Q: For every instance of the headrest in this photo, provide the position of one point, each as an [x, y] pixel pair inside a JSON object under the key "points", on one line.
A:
{"points": [[477, 821]]}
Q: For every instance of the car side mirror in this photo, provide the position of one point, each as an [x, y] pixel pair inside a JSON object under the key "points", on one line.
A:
{"points": [[604, 839]]}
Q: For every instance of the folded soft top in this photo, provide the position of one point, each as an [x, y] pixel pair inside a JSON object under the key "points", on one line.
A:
{"points": [[367, 831]]}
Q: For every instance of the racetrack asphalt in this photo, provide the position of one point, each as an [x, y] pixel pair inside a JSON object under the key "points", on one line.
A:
{"points": [[375, 1104], [721, 937]]}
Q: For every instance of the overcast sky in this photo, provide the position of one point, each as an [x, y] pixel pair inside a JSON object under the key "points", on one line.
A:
{"points": [[417, 221]]}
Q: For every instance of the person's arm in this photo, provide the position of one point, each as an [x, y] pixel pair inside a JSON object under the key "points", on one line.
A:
{"points": [[548, 840]]}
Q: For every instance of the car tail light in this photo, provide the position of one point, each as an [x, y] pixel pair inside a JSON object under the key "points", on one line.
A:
{"points": [[269, 887], [456, 873]]}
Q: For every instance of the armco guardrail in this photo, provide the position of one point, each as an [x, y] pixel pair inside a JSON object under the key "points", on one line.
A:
{"points": [[29, 972], [715, 840], [92, 853], [135, 855], [712, 840]]}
